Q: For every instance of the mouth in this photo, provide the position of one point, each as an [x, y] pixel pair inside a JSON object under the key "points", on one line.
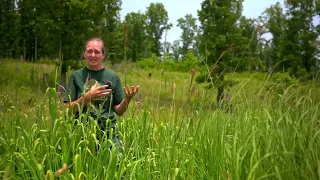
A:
{"points": [[92, 60]]}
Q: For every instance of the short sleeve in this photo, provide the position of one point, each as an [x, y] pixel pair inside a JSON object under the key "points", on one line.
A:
{"points": [[118, 94], [70, 93]]}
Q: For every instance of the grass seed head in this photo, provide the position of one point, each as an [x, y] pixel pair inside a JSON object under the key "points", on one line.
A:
{"points": [[174, 87], [62, 170]]}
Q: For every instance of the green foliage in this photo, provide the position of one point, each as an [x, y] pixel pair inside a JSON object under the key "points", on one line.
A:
{"points": [[190, 31], [157, 18], [168, 64], [58, 30], [219, 28], [136, 35], [175, 49], [275, 22], [284, 79], [294, 43], [148, 63], [70, 64], [46, 61], [215, 82], [219, 25], [190, 60], [8, 23], [35, 30]]}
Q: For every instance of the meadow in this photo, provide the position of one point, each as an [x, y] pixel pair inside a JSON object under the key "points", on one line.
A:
{"points": [[267, 129]]}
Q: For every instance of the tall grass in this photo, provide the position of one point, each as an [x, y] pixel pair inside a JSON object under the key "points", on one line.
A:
{"points": [[169, 137]]}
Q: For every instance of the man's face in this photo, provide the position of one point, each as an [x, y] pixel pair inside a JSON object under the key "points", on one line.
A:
{"points": [[93, 53]]}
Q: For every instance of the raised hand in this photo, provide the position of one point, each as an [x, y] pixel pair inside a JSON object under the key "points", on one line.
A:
{"points": [[130, 94]]}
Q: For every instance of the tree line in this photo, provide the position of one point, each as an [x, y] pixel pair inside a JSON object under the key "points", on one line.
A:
{"points": [[57, 29]]}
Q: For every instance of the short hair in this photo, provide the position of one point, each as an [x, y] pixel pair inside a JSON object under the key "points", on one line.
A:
{"points": [[95, 39]]}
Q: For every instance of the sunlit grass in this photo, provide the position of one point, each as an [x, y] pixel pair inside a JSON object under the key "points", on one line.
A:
{"points": [[169, 136]]}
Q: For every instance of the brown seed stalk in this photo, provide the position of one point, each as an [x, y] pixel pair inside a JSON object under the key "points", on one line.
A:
{"points": [[216, 64]]}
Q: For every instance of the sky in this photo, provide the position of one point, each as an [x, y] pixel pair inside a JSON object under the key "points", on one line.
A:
{"points": [[179, 8]]}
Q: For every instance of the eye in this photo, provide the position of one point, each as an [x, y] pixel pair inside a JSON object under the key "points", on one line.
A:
{"points": [[89, 51], [97, 52]]}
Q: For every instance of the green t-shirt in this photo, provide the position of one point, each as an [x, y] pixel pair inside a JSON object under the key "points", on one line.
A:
{"points": [[80, 81]]}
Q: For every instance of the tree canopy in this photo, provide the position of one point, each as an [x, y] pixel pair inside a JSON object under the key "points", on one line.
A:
{"points": [[56, 29]]}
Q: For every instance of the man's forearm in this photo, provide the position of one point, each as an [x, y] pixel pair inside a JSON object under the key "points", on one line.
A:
{"points": [[122, 107]]}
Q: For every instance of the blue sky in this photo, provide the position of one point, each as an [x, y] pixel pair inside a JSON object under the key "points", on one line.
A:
{"points": [[179, 8]]}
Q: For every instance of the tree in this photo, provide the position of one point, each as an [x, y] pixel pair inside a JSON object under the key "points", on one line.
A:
{"points": [[175, 48], [63, 26], [275, 22], [248, 43], [166, 47], [157, 23], [58, 28], [318, 15], [136, 23], [318, 30], [300, 40], [112, 30], [189, 32], [267, 53], [218, 20], [8, 29]]}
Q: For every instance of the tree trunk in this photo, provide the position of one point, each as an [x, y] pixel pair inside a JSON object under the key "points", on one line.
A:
{"points": [[220, 95], [60, 51], [24, 49], [36, 48]]}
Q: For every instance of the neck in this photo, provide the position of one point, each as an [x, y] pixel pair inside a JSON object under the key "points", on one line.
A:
{"points": [[95, 68]]}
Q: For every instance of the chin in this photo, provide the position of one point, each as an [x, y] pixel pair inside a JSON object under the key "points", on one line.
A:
{"points": [[93, 64]]}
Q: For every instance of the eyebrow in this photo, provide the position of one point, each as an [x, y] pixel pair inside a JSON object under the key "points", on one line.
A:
{"points": [[89, 49]]}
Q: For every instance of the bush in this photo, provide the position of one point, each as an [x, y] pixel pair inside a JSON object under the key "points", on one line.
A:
{"points": [[284, 79], [148, 63], [46, 61], [170, 64], [281, 82]]}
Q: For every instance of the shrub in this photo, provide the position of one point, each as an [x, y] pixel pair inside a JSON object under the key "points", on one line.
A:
{"points": [[170, 64], [281, 82], [148, 63], [284, 79]]}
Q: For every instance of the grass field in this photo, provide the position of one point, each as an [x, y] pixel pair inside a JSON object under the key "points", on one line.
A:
{"points": [[266, 130]]}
